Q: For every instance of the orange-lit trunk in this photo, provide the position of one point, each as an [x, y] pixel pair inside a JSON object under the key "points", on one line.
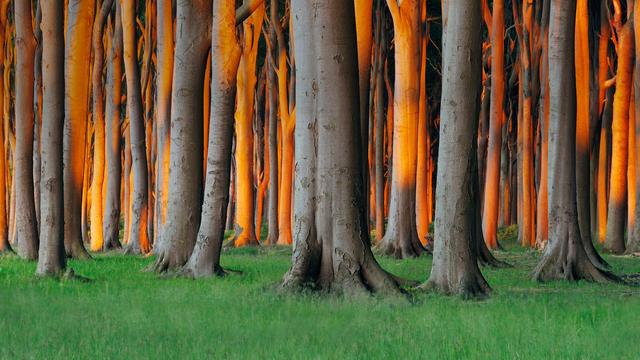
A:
{"points": [[492, 181], [620, 141], [4, 170], [97, 208], [542, 223], [631, 165], [79, 26], [163, 108], [422, 161], [244, 222], [401, 238], [287, 121], [602, 173]]}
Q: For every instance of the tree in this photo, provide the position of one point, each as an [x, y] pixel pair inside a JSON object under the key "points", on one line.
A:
{"points": [[633, 243], [564, 257], [184, 201], [25, 42], [138, 231], [245, 234], [272, 150], [52, 258], [225, 58], [616, 218], [111, 220], [76, 106], [330, 248], [401, 238], [97, 183], [455, 268], [492, 181], [163, 109]]}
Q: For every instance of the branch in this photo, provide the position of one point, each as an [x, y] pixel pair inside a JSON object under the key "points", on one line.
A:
{"points": [[394, 9], [246, 9]]}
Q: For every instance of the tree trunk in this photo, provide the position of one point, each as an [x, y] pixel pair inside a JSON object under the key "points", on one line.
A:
{"points": [[272, 202], [112, 206], [184, 201], [25, 42], [364, 35], [96, 217], [330, 248], [225, 57], [245, 234], [51, 257], [401, 238], [620, 137], [455, 267], [138, 231], [633, 243], [163, 109], [565, 257], [492, 182], [76, 104], [4, 169]]}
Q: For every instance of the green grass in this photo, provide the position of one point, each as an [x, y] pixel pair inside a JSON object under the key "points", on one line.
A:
{"points": [[125, 313]]}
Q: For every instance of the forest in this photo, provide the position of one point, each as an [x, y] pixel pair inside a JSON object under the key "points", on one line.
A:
{"points": [[319, 178]]}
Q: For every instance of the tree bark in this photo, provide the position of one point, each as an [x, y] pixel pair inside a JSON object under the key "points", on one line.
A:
{"points": [[138, 231], [492, 182], [565, 257], [97, 183], [455, 268], [76, 68], [330, 250], [163, 109], [225, 57], [620, 136], [272, 202], [401, 238], [51, 258], [633, 243], [112, 206], [245, 234], [4, 183], [25, 42], [184, 201]]}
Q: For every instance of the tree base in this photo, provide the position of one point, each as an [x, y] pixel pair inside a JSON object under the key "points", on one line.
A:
{"points": [[402, 247], [473, 287], [78, 251]]}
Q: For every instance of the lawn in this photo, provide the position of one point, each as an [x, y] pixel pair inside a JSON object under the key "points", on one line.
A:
{"points": [[125, 313]]}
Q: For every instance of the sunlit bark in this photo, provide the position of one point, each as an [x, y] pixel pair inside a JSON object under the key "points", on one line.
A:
{"points": [[401, 238], [244, 221], [633, 243], [79, 25], [4, 230], [620, 141]]}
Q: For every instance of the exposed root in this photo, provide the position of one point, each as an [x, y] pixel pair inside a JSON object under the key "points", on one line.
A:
{"points": [[468, 288], [402, 247], [556, 264]]}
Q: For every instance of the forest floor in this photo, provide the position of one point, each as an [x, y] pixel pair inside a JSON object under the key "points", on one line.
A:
{"points": [[125, 313]]}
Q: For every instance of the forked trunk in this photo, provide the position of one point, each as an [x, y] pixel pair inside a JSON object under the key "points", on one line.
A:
{"points": [[455, 268], [184, 201], [330, 250], [225, 57], [51, 257]]}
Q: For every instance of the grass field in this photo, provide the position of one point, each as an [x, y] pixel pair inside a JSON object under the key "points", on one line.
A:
{"points": [[125, 313]]}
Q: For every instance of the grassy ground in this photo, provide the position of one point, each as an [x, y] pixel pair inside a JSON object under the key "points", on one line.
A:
{"points": [[125, 313]]}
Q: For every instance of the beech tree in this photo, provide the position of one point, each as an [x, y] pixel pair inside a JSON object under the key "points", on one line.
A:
{"points": [[79, 24], [401, 237], [113, 163], [565, 257], [51, 256], [25, 213], [184, 200], [455, 268], [330, 246], [138, 231]]}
